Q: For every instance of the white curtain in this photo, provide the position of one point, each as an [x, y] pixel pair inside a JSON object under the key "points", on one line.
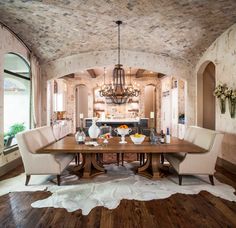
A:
{"points": [[36, 91]]}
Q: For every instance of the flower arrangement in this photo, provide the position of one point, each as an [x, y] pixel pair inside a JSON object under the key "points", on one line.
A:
{"points": [[221, 91], [231, 94], [105, 137]]}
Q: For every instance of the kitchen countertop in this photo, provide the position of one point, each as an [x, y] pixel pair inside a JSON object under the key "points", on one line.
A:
{"points": [[126, 120]]}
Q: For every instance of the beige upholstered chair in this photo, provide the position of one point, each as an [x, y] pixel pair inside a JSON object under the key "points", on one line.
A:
{"points": [[189, 164], [29, 142]]}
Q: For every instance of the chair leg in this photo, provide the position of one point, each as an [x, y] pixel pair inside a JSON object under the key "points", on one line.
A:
{"points": [[140, 158], [27, 180], [143, 158], [118, 158], [77, 159], [211, 178], [180, 179], [122, 159], [162, 159], [58, 180]]}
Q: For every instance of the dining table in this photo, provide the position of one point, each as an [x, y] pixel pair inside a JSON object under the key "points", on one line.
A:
{"points": [[91, 166]]}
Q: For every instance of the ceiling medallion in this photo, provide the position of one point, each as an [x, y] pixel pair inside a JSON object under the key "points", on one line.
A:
{"points": [[118, 92]]}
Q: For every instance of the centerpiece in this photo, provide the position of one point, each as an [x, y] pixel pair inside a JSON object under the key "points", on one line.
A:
{"points": [[137, 138], [123, 130], [105, 137]]}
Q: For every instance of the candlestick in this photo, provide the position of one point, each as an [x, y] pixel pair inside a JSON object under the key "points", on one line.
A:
{"points": [[151, 114]]}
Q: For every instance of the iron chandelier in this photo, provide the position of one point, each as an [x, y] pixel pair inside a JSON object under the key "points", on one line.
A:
{"points": [[118, 92]]}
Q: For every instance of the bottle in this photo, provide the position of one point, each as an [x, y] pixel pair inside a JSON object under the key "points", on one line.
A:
{"points": [[162, 137], [152, 135], [80, 136], [167, 135]]}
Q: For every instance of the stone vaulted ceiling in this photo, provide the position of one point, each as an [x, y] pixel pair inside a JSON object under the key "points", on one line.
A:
{"points": [[177, 28]]}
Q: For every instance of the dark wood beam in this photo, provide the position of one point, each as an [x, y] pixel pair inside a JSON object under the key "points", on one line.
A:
{"points": [[92, 73], [160, 75], [68, 76], [139, 73]]}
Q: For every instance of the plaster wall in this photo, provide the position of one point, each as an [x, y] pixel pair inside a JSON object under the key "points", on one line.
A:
{"points": [[223, 54], [8, 43]]}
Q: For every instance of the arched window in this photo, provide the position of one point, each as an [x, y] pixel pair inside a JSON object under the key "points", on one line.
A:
{"points": [[16, 97]]}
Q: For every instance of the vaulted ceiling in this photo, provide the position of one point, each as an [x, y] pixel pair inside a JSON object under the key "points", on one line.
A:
{"points": [[58, 28]]}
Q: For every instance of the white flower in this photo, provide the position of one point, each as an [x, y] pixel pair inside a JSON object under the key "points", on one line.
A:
{"points": [[222, 96], [221, 91]]}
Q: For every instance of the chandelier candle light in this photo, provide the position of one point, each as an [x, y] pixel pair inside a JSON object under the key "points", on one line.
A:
{"points": [[118, 92]]}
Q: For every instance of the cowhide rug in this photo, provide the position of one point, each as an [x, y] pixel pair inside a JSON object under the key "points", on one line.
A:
{"points": [[109, 189]]}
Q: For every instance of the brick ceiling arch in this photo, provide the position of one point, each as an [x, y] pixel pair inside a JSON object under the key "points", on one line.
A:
{"points": [[54, 29]]}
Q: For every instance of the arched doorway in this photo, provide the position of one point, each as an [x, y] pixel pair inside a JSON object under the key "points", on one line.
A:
{"points": [[81, 93], [206, 99]]}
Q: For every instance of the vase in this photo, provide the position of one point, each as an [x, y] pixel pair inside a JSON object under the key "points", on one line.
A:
{"points": [[152, 136], [94, 130], [80, 136], [232, 107], [222, 105]]}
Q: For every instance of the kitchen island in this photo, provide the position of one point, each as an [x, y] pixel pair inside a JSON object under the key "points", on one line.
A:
{"points": [[130, 122]]}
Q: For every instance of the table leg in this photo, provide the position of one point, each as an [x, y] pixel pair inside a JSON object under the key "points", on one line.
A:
{"points": [[91, 167], [150, 168]]}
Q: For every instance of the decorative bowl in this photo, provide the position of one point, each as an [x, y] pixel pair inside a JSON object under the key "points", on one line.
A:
{"points": [[123, 131], [137, 139]]}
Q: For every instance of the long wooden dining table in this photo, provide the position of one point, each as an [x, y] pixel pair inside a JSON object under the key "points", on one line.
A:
{"points": [[90, 166]]}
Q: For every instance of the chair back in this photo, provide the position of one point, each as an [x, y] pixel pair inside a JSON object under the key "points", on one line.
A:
{"points": [[47, 134]]}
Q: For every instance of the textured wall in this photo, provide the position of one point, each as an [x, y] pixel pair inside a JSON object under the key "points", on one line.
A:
{"points": [[8, 43], [223, 54]]}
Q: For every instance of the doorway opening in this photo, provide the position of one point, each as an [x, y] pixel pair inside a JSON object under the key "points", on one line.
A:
{"points": [[150, 101], [81, 94], [206, 100]]}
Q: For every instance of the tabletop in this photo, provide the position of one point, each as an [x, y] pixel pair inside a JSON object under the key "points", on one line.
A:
{"points": [[69, 145]]}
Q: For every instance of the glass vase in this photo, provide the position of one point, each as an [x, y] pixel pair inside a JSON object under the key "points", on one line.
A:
{"points": [[232, 107], [222, 105]]}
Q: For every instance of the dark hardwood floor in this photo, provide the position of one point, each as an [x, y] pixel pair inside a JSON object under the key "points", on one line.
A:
{"points": [[179, 210]]}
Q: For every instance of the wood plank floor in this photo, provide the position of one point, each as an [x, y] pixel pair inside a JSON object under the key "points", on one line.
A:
{"points": [[179, 210]]}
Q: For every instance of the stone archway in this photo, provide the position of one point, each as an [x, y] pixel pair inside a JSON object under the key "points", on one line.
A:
{"points": [[157, 63], [153, 62], [205, 99]]}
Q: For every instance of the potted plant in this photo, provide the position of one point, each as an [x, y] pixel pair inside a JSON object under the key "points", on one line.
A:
{"points": [[14, 129]]}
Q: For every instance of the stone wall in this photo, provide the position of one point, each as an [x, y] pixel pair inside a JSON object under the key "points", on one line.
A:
{"points": [[8, 43], [223, 54]]}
